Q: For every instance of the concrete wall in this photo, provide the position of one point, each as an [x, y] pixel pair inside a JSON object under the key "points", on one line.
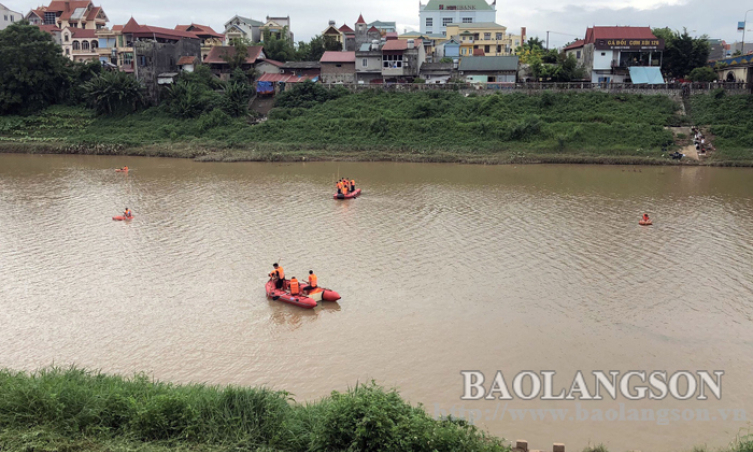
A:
{"points": [[160, 57]]}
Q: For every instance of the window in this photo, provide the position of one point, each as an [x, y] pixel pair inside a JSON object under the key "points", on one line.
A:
{"points": [[444, 33], [499, 36], [66, 38], [392, 61], [577, 55], [338, 65], [499, 49], [83, 25], [127, 59], [67, 51], [142, 61], [6, 17], [76, 45], [603, 53], [486, 49], [429, 22], [446, 21], [487, 36], [95, 45], [364, 62], [85, 45], [467, 20], [49, 18], [12, 18]]}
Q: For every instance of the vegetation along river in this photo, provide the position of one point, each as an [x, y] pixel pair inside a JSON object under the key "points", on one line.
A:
{"points": [[442, 268]]}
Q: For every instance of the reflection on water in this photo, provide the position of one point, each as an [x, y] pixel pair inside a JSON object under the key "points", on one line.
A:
{"points": [[442, 268]]}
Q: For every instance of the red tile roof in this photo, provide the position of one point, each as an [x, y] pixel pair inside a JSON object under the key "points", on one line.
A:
{"points": [[148, 31], [346, 29], [217, 52], [67, 8], [37, 12], [576, 45], [200, 30], [400, 44], [117, 28], [594, 33], [51, 29], [360, 20], [187, 60], [391, 35], [338, 57], [79, 33]]}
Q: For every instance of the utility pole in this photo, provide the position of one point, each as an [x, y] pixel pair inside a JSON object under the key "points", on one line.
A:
{"points": [[547, 39], [745, 25]]}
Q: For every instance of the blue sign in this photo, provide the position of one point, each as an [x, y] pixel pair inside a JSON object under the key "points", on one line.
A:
{"points": [[740, 26]]}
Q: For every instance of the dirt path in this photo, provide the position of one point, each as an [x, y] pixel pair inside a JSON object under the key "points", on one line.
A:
{"points": [[684, 138]]}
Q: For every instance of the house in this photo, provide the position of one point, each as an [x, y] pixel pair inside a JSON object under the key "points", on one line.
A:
{"points": [[8, 17], [429, 41], [436, 15], [217, 60], [576, 50], [607, 53], [437, 72], [69, 13], [243, 28], [80, 45], [383, 27], [278, 27], [338, 67], [737, 69], [369, 63], [299, 68], [54, 31], [156, 52], [188, 63], [718, 49], [267, 66], [209, 37], [449, 48], [490, 37], [489, 69], [352, 39], [402, 60]]}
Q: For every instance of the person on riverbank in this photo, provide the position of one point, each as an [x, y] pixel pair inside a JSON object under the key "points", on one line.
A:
{"points": [[295, 287], [278, 275]]}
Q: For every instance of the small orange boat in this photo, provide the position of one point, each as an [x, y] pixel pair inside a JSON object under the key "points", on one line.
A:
{"points": [[645, 222]]}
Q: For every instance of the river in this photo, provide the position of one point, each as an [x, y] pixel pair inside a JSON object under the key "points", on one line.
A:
{"points": [[442, 268]]}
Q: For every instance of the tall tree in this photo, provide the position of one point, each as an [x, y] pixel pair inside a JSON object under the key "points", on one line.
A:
{"points": [[682, 52], [33, 71], [278, 46]]}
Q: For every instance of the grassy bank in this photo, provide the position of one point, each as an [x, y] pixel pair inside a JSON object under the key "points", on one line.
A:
{"points": [[76, 410], [729, 119], [376, 125]]}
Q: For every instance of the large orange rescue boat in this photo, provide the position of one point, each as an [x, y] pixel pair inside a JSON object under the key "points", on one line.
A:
{"points": [[307, 299]]}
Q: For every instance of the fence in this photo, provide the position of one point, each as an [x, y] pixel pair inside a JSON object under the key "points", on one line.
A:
{"points": [[667, 89]]}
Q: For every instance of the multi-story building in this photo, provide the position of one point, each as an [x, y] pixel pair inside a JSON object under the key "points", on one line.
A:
{"points": [[490, 38], [278, 27], [243, 28], [209, 37], [436, 15], [8, 17], [80, 45], [608, 53], [352, 39], [384, 27], [69, 13]]}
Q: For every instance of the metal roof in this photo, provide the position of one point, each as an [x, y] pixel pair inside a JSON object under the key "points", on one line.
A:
{"points": [[646, 75], [489, 63]]}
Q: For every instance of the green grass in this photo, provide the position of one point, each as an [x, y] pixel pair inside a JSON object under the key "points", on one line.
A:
{"points": [[730, 120], [73, 409]]}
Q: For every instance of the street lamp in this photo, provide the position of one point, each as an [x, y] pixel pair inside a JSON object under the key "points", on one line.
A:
{"points": [[745, 25]]}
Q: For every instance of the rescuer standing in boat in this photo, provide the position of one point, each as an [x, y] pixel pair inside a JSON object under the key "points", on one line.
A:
{"points": [[278, 275]]}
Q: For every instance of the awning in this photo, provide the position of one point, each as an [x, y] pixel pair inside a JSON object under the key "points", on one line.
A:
{"points": [[285, 78], [646, 76]]}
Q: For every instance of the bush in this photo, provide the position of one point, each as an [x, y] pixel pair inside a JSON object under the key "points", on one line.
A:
{"points": [[114, 92], [235, 99], [703, 74]]}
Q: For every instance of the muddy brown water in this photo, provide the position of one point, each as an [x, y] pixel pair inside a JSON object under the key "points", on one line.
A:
{"points": [[442, 268]]}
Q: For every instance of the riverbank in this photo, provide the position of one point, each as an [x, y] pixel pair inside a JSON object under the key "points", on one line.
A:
{"points": [[72, 409], [441, 127], [75, 410]]}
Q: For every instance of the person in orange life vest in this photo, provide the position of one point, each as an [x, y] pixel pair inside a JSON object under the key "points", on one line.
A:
{"points": [[127, 213], [340, 188], [645, 217], [278, 275], [345, 187], [295, 287], [352, 185], [312, 280]]}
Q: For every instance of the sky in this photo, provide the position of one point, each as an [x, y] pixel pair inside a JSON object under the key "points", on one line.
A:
{"points": [[566, 20]]}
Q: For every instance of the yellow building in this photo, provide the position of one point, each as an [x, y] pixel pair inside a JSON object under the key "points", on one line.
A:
{"points": [[487, 37]]}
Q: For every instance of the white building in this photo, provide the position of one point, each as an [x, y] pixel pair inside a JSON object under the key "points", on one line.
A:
{"points": [[437, 14], [8, 17]]}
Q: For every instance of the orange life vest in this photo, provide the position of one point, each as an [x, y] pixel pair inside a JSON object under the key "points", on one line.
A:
{"points": [[352, 183], [278, 272], [312, 281], [294, 287]]}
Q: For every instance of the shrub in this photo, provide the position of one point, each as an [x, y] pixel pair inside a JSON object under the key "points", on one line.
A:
{"points": [[113, 93]]}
